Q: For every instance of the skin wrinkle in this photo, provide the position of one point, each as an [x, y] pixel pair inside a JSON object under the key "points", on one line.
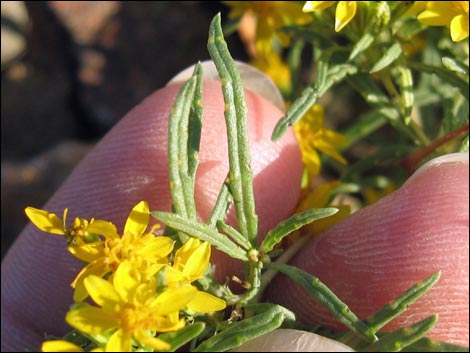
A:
{"points": [[433, 235], [37, 270]]}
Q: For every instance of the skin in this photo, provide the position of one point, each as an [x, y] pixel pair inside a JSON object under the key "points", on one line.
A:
{"points": [[129, 165]]}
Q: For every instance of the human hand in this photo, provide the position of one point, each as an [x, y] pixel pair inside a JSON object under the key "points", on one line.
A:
{"points": [[129, 165]]}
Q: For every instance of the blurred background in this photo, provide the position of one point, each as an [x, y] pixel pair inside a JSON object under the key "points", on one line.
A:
{"points": [[71, 70]]}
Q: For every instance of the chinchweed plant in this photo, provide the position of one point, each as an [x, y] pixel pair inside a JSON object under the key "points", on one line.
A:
{"points": [[143, 292]]}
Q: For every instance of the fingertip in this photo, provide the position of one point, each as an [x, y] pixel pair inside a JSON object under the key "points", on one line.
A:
{"points": [[379, 252]]}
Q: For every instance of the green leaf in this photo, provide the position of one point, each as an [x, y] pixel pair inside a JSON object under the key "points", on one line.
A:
{"points": [[298, 220], [364, 125], [221, 205], [201, 231], [430, 345], [396, 340], [177, 146], [179, 338], [455, 66], [390, 55], [242, 331], [448, 76], [297, 109], [405, 82], [326, 297], [236, 115], [392, 309], [362, 44], [464, 145], [399, 305], [234, 234]]}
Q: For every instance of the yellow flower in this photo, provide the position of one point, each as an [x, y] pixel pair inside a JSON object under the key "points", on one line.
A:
{"points": [[190, 263], [312, 136], [345, 11], [129, 309], [80, 232], [146, 251], [441, 13], [64, 346], [270, 16], [273, 66]]}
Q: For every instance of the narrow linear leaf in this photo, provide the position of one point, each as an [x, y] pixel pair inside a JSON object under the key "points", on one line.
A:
{"points": [[257, 308], [234, 234], [397, 306], [429, 345], [444, 74], [195, 126], [454, 65], [390, 55], [395, 341], [405, 82], [297, 109], [392, 309], [201, 231], [362, 44], [242, 331], [179, 338], [336, 74], [326, 297], [236, 116], [364, 125], [298, 220], [310, 95], [180, 108], [221, 205]]}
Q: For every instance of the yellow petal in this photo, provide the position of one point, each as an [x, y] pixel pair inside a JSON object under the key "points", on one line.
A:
{"points": [[101, 291], [204, 302], [120, 341], [198, 261], [345, 12], [459, 28], [91, 320], [105, 228], [98, 268], [173, 299], [155, 343], [182, 254], [87, 252], [138, 219], [438, 13], [172, 275], [45, 221], [316, 5], [155, 248], [60, 346], [126, 280]]}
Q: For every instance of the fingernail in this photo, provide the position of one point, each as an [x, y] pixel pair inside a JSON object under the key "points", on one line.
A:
{"points": [[252, 78], [452, 158]]}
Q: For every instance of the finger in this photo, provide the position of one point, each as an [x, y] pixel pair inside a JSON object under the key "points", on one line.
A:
{"points": [[129, 165], [288, 340], [376, 254]]}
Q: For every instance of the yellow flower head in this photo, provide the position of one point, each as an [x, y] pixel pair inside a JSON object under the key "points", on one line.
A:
{"points": [[270, 16], [129, 308], [345, 11], [441, 13], [146, 251], [80, 232], [312, 136], [190, 263]]}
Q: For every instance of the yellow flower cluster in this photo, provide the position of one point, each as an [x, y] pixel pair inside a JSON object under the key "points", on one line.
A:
{"points": [[133, 302]]}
